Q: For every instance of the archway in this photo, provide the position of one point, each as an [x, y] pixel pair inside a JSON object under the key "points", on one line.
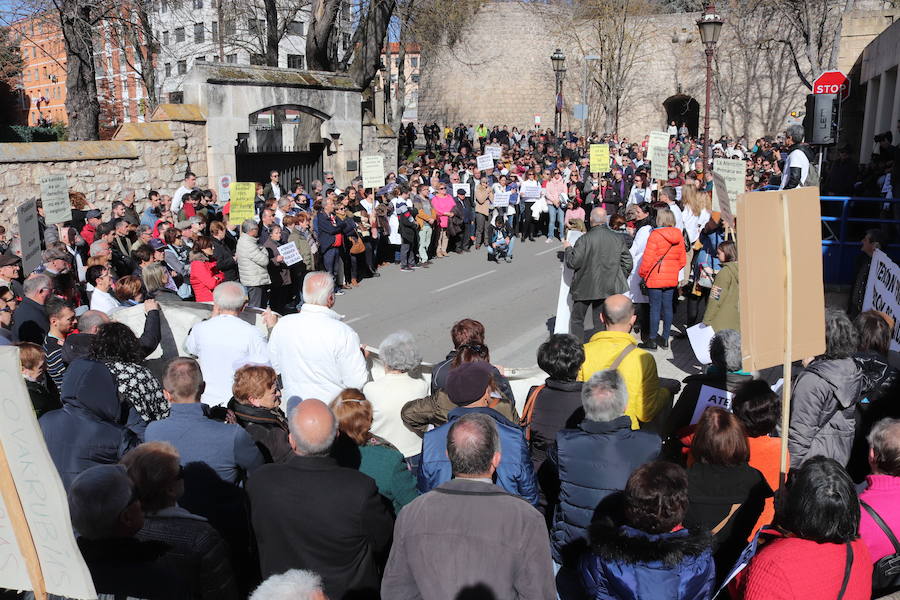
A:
{"points": [[682, 108]]}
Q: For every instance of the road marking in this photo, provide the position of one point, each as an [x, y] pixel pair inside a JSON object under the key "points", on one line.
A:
{"points": [[557, 249], [453, 285], [355, 319]]}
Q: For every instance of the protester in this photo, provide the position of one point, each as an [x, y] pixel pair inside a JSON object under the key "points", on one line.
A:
{"points": [[723, 309], [661, 262], [204, 272], [294, 584], [29, 321], [253, 262], [467, 537], [33, 362], [62, 322], [256, 406], [879, 499]]}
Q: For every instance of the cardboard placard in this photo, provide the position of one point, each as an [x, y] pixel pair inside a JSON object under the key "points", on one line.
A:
{"points": [[658, 153], [290, 253], [711, 396], [243, 197], [493, 152], [29, 233], [599, 154], [484, 162], [882, 292], [35, 505], [761, 235], [55, 199], [372, 168], [501, 199]]}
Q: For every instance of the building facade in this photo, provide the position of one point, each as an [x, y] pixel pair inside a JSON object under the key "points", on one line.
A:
{"points": [[390, 58], [41, 87]]}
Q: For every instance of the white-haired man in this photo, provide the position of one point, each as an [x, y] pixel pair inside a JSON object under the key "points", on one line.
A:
{"points": [[315, 353], [295, 584], [225, 342]]}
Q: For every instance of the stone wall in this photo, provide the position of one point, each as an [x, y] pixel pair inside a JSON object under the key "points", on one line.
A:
{"points": [[105, 171]]}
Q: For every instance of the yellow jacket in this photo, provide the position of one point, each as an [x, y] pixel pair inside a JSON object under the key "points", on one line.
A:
{"points": [[638, 369]]}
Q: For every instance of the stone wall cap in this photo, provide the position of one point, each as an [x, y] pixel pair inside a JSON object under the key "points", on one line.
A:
{"points": [[260, 75], [190, 113], [156, 131], [66, 151]]}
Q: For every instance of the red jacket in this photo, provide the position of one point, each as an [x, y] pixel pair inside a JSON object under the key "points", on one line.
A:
{"points": [[666, 243], [793, 568], [88, 233], [205, 276]]}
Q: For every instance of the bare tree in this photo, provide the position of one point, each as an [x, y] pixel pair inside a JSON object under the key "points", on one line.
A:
{"points": [[321, 34], [811, 32], [132, 28]]}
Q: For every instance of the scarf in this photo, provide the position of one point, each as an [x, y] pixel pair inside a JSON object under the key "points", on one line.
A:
{"points": [[137, 386]]}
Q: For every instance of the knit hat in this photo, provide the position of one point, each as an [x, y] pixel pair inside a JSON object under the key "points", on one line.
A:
{"points": [[467, 382]]}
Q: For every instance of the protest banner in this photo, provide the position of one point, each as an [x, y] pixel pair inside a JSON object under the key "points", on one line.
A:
{"points": [[711, 396], [782, 308], [658, 153], [29, 233], [494, 152], [599, 154], [883, 292], [224, 189], [372, 168], [728, 182], [55, 199], [531, 190], [290, 253], [564, 300], [461, 186], [501, 199], [243, 196], [44, 557], [484, 162]]}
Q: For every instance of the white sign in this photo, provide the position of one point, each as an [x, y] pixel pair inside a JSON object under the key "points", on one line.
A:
{"points": [[372, 168], [485, 162], [494, 152], [461, 186], [537, 119], [882, 291], [564, 301], [29, 232], [710, 396], [501, 199], [290, 253], [42, 497], [658, 153], [224, 189], [733, 173], [531, 190], [700, 335], [55, 199]]}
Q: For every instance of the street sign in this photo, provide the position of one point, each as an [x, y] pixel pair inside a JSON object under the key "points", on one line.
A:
{"points": [[580, 111], [225, 189], [832, 82]]}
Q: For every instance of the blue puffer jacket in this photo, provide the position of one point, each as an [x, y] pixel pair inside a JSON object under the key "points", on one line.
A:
{"points": [[592, 462], [629, 564], [92, 427], [515, 473]]}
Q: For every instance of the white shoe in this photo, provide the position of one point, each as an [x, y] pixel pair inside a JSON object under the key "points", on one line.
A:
{"points": [[548, 241]]}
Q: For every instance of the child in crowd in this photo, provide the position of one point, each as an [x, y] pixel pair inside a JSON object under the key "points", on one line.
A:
{"points": [[34, 370]]}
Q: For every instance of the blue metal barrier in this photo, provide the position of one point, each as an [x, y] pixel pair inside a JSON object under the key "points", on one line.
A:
{"points": [[844, 223]]}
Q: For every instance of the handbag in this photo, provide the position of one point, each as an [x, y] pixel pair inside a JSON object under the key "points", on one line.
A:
{"points": [[643, 283], [886, 572], [358, 246]]}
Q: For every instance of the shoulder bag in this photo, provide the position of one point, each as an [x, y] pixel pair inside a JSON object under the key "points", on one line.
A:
{"points": [[643, 283], [885, 572]]}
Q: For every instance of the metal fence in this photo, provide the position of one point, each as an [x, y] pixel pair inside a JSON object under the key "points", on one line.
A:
{"points": [[845, 221]]}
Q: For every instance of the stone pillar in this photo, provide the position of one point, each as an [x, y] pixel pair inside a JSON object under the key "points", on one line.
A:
{"points": [[869, 120]]}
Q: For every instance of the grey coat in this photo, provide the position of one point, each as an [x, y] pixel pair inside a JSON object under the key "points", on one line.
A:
{"points": [[467, 533], [823, 410], [602, 264], [253, 262]]}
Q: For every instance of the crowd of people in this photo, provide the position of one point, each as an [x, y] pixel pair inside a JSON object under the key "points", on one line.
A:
{"points": [[271, 464]]}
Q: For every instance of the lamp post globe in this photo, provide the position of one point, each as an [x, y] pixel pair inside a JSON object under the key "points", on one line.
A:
{"points": [[710, 26]]}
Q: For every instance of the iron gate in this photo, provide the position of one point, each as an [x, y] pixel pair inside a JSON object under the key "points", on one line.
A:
{"points": [[255, 166]]}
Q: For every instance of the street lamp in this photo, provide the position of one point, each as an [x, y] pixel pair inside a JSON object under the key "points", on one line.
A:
{"points": [[710, 25], [558, 59]]}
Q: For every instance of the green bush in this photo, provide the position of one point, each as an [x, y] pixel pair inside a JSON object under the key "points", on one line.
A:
{"points": [[24, 133]]}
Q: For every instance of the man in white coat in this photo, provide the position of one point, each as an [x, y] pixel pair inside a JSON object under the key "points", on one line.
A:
{"points": [[315, 353]]}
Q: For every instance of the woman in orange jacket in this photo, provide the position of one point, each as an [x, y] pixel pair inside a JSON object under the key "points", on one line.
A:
{"points": [[663, 259]]}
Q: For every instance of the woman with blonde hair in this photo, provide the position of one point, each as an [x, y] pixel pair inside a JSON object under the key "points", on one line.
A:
{"points": [[359, 448]]}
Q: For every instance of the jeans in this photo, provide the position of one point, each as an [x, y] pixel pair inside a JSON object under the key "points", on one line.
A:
{"points": [[407, 255], [424, 242], [331, 257], [258, 296], [557, 215], [503, 248], [660, 301]]}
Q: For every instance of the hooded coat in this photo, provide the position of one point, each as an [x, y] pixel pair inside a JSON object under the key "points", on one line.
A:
{"points": [[663, 259], [823, 416]]}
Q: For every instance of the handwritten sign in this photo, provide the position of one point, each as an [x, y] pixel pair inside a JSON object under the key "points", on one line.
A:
{"points": [[41, 497], [373, 171], [599, 158], [710, 396], [728, 181], [290, 253], [501, 199], [883, 291], [55, 199], [29, 232], [461, 186], [243, 195], [494, 152], [485, 162], [531, 190], [658, 153]]}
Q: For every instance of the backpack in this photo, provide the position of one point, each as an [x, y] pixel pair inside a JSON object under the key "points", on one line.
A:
{"points": [[885, 572]]}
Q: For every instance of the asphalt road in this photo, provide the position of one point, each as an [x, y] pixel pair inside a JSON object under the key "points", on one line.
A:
{"points": [[516, 302]]}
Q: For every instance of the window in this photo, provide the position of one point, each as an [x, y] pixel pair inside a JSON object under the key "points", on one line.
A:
{"points": [[295, 61], [179, 35], [176, 97], [258, 59], [231, 58], [397, 62], [415, 78], [414, 62], [198, 4], [200, 59], [228, 28], [198, 32], [296, 28], [165, 38], [26, 75], [214, 31], [182, 67], [168, 69], [256, 26]]}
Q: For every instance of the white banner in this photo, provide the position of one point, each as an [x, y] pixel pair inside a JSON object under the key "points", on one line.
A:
{"points": [[461, 186], [290, 253], [564, 300], [658, 153], [501, 199], [55, 199], [883, 292], [493, 152], [710, 396], [531, 190], [485, 162], [372, 169]]}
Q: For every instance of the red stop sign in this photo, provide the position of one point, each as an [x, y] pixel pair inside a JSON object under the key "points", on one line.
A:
{"points": [[832, 82]]}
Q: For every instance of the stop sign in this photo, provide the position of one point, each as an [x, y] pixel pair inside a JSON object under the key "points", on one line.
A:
{"points": [[832, 82]]}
